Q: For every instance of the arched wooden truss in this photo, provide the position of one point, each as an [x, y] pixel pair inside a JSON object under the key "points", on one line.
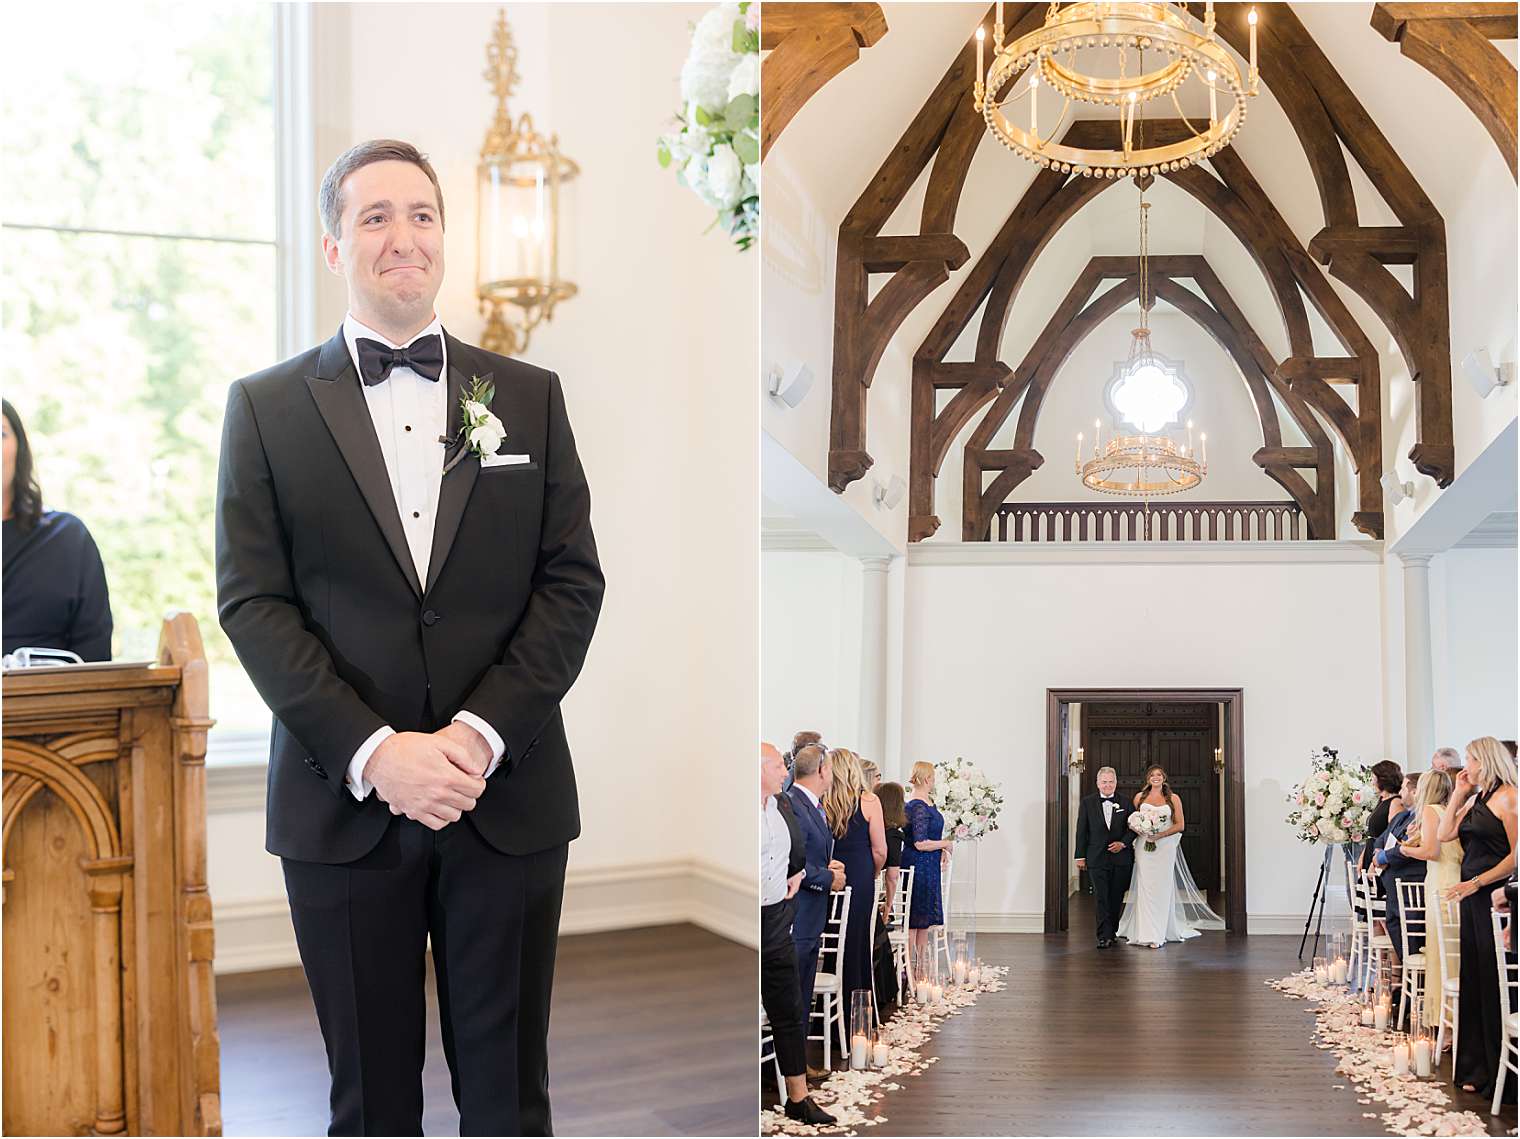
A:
{"points": [[809, 44], [1075, 319], [1454, 43], [1324, 114]]}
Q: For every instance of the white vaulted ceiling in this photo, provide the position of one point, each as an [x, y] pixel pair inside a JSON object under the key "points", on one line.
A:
{"points": [[831, 149]]}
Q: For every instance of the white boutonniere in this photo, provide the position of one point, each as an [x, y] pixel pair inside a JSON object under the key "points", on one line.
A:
{"points": [[480, 432]]}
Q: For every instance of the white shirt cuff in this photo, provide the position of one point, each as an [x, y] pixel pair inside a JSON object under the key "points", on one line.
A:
{"points": [[357, 785], [498, 746]]}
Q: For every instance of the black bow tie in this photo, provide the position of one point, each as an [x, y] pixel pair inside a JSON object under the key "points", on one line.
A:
{"points": [[1109, 799], [423, 356]]}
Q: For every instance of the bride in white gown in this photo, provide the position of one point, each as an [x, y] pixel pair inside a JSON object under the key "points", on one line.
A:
{"points": [[1164, 903]]}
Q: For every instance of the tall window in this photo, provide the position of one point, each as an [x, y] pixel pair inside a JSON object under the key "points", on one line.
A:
{"points": [[140, 191]]}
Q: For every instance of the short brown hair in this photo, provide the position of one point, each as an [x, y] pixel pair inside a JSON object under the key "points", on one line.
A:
{"points": [[1387, 776], [330, 196], [804, 739], [805, 763]]}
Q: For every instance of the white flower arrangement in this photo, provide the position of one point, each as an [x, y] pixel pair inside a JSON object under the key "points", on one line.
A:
{"points": [[716, 150], [1334, 803], [969, 800]]}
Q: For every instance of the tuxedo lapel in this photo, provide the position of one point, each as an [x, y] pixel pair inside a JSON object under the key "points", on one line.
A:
{"points": [[340, 400], [454, 492]]}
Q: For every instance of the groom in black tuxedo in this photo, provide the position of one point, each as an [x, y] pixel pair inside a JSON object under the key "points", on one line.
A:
{"points": [[412, 609], [1105, 849]]}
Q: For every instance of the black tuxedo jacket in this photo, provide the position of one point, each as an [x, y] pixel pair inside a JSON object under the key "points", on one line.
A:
{"points": [[1093, 837], [318, 593]]}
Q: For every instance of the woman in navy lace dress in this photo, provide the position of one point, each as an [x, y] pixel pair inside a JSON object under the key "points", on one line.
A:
{"points": [[925, 850]]}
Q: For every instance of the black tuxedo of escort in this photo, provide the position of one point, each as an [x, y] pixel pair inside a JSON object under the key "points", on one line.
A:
{"points": [[319, 595], [1110, 872]]}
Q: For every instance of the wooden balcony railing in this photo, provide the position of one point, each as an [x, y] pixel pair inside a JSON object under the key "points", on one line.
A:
{"points": [[1181, 521]]}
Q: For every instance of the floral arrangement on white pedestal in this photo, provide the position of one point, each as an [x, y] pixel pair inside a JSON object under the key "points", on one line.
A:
{"points": [[716, 151], [969, 800], [1334, 803]]}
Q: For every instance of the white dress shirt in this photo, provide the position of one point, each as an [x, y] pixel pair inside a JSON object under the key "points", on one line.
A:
{"points": [[775, 853], [1109, 807], [409, 413]]}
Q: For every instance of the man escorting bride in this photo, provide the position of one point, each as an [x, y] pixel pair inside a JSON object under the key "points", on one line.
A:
{"points": [[1164, 903]]}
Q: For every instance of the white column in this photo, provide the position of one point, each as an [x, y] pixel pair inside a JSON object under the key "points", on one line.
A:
{"points": [[873, 659], [1419, 685]]}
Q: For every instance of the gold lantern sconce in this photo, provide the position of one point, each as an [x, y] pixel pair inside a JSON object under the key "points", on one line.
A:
{"points": [[520, 213]]}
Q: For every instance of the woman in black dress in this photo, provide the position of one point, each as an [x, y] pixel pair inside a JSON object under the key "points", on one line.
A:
{"points": [[55, 585], [894, 818], [1388, 780], [860, 842], [1481, 812]]}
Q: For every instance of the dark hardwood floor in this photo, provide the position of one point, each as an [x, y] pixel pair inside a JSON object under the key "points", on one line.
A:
{"points": [[652, 1033], [1186, 1040]]}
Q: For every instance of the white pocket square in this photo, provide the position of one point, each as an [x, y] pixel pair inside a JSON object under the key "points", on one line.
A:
{"points": [[505, 460]]}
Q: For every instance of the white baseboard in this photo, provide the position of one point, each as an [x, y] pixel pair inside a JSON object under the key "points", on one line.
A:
{"points": [[1035, 923], [257, 934]]}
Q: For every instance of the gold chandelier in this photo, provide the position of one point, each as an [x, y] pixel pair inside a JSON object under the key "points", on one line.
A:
{"points": [[1143, 465], [1120, 55], [519, 210]]}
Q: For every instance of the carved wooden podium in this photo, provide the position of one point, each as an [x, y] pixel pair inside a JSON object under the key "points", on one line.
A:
{"points": [[109, 1004]]}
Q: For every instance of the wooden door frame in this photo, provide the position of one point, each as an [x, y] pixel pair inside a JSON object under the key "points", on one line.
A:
{"points": [[1058, 836]]}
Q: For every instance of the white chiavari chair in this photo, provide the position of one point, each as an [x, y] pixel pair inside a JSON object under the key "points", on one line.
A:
{"points": [[1449, 946], [768, 1052], [939, 936], [1509, 984], [1412, 928], [897, 932], [828, 986], [1379, 944], [1361, 928]]}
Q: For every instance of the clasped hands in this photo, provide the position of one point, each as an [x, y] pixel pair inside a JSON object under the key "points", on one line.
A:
{"points": [[432, 778]]}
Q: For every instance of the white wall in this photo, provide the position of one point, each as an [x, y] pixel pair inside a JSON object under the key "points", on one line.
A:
{"points": [[810, 646], [657, 357], [986, 638], [1473, 619]]}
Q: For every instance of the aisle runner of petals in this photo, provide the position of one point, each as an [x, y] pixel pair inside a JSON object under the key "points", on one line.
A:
{"points": [[851, 1096], [1416, 1106]]}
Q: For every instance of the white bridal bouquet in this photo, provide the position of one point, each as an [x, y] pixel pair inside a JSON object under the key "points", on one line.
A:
{"points": [[969, 800], [1147, 826], [716, 151], [1333, 804]]}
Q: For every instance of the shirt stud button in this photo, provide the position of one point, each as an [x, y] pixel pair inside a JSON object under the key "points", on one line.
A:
{"points": [[416, 514], [408, 426]]}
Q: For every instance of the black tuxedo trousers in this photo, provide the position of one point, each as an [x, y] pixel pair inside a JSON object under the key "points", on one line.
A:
{"points": [[320, 597]]}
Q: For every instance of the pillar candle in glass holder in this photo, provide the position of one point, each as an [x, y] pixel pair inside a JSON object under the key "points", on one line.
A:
{"points": [[974, 974], [1400, 1054], [860, 1051], [1339, 971], [1381, 1014], [936, 994], [882, 1054], [1367, 1015], [1321, 971], [921, 991], [1422, 1051]]}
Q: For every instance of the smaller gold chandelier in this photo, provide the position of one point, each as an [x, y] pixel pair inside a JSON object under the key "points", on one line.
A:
{"points": [[1114, 54], [518, 213], [1142, 466]]}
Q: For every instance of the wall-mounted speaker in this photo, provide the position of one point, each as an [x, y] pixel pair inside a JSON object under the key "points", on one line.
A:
{"points": [[792, 383]]}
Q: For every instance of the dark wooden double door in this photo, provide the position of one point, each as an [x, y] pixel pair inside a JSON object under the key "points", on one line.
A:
{"points": [[1130, 737]]}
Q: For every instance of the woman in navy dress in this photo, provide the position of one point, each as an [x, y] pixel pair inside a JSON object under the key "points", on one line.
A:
{"points": [[55, 593], [1481, 812], [860, 842], [925, 851]]}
